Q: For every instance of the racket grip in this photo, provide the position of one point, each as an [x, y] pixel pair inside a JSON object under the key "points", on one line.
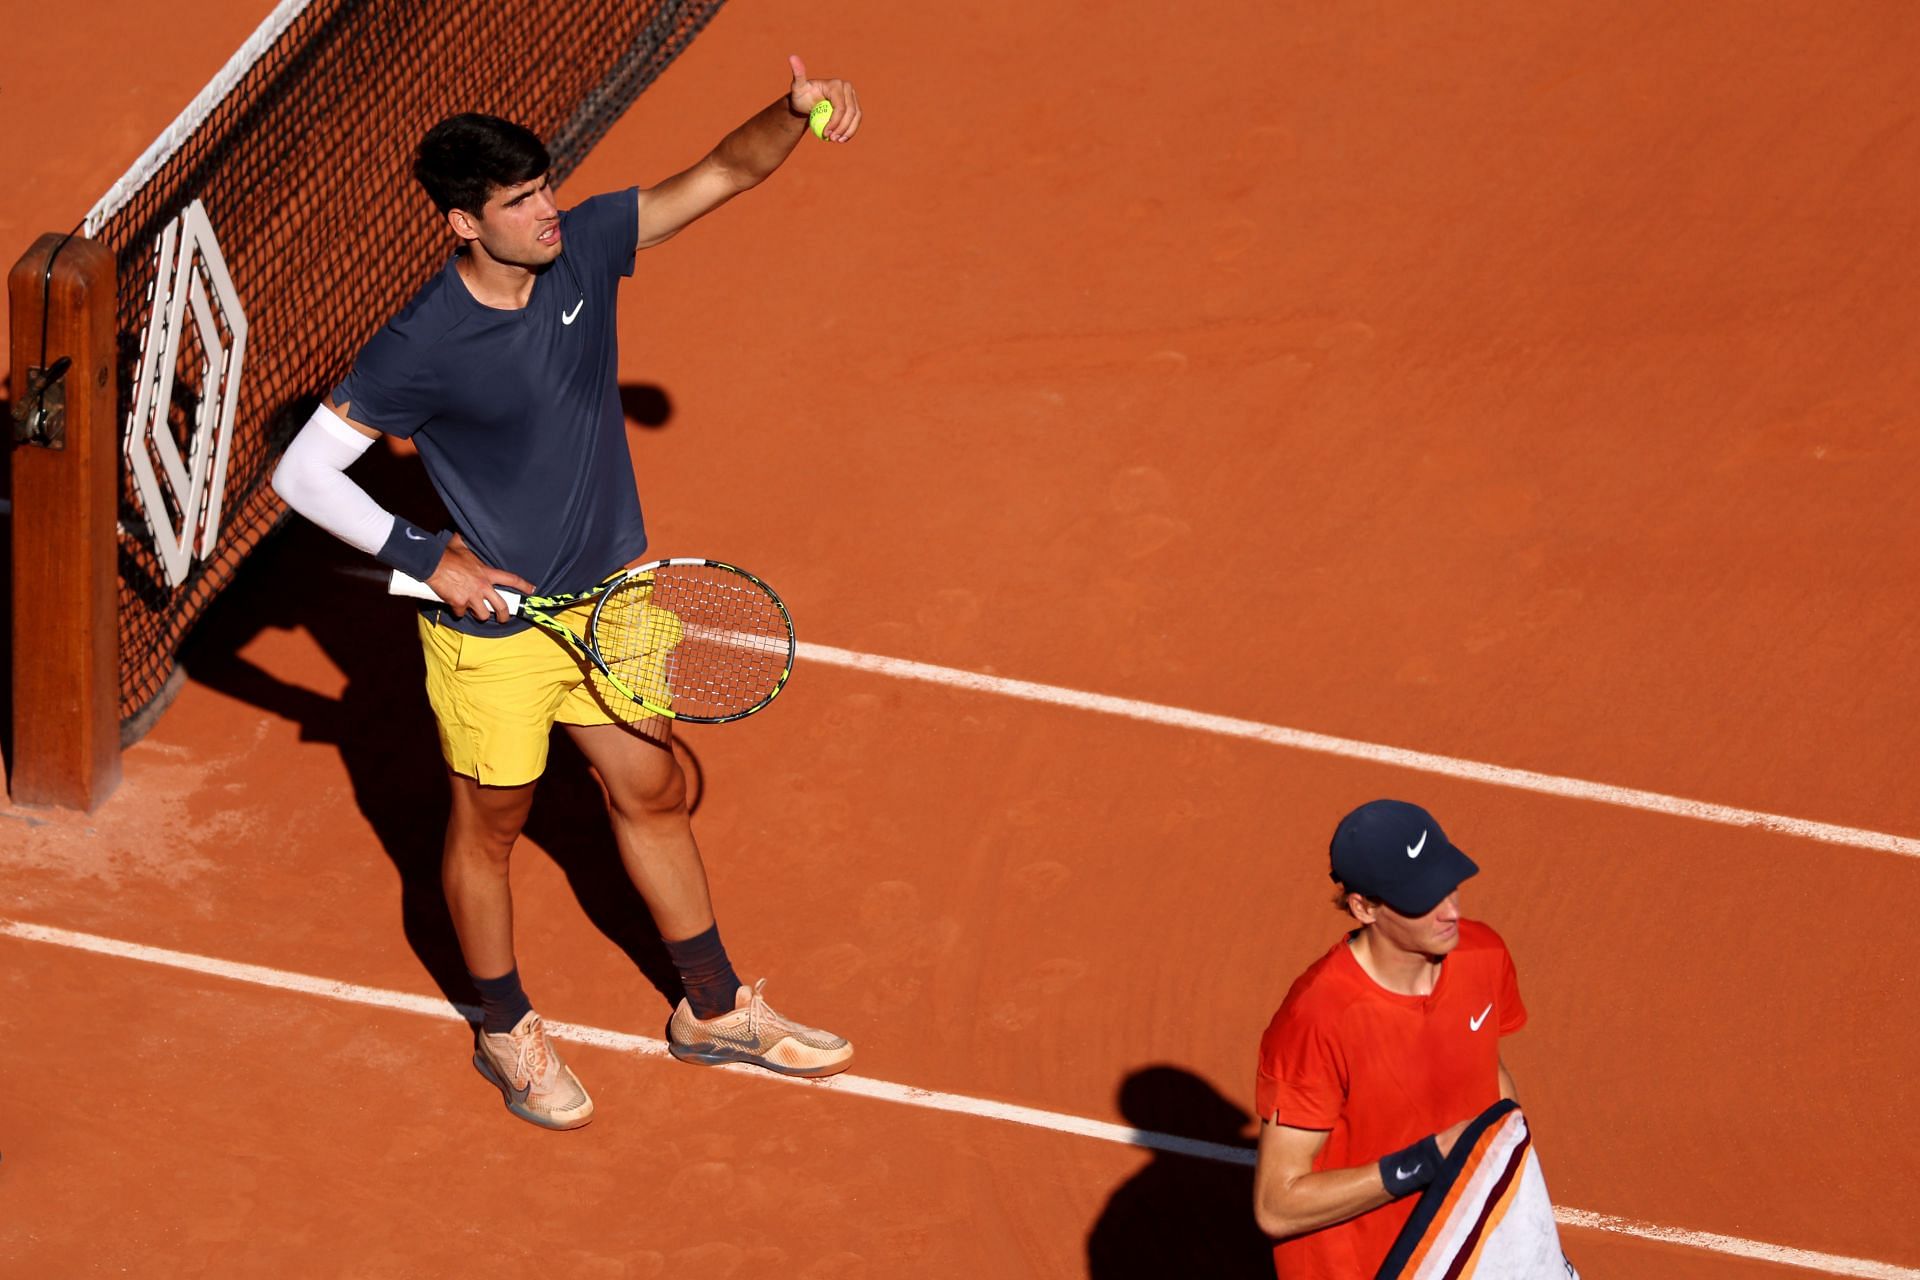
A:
{"points": [[403, 585], [406, 585]]}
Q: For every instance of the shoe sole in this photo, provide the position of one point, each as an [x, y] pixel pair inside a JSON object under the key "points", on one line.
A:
{"points": [[717, 1055], [526, 1113]]}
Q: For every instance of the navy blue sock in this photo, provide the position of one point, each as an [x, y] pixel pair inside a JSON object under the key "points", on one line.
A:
{"points": [[705, 972], [502, 1002]]}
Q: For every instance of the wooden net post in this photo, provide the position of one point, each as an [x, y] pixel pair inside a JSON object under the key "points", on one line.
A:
{"points": [[66, 636]]}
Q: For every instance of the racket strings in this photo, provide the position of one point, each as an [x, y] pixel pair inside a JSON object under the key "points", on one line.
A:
{"points": [[702, 641]]}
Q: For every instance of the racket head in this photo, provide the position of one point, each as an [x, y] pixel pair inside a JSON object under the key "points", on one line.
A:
{"points": [[694, 640]]}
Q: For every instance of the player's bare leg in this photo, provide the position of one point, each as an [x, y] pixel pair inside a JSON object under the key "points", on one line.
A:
{"points": [[647, 803], [511, 1048], [721, 1021], [481, 831]]}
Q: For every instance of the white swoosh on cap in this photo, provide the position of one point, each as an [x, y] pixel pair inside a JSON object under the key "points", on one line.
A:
{"points": [[1413, 850]]}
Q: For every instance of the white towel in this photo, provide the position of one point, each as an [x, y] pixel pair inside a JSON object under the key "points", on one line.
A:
{"points": [[1487, 1216]]}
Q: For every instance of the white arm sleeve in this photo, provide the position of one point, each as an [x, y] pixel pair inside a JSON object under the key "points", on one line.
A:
{"points": [[311, 478]]}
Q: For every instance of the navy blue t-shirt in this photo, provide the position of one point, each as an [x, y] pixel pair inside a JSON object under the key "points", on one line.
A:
{"points": [[517, 413]]}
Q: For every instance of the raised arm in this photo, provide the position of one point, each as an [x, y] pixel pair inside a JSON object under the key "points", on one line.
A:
{"points": [[747, 156]]}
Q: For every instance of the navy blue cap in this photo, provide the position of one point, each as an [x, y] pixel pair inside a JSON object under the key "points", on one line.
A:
{"points": [[1396, 852]]}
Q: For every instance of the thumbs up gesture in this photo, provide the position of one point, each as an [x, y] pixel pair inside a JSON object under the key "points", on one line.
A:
{"points": [[845, 121]]}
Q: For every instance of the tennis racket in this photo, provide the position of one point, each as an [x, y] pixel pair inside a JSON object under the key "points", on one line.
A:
{"points": [[688, 639]]}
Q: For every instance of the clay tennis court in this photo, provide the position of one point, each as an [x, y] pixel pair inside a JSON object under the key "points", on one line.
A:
{"points": [[1169, 430]]}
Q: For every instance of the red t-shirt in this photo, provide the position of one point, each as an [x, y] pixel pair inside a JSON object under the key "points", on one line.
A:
{"points": [[1380, 1071]]}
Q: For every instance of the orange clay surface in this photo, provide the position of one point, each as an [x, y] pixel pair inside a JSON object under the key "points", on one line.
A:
{"points": [[1512, 383]]}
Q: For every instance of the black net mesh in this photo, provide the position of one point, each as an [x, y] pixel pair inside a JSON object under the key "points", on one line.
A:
{"points": [[303, 169]]}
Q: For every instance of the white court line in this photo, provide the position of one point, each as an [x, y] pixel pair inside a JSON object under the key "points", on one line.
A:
{"points": [[1398, 757], [885, 1091], [1351, 748], [1832, 1264]]}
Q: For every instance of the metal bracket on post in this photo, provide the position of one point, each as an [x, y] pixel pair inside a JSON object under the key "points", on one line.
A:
{"points": [[41, 418]]}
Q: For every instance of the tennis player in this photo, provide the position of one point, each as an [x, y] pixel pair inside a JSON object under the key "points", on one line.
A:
{"points": [[502, 370], [1383, 1051]]}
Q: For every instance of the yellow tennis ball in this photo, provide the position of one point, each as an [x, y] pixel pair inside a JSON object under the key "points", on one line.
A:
{"points": [[818, 117]]}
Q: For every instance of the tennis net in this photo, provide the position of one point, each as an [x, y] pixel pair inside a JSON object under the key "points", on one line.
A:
{"points": [[265, 235]]}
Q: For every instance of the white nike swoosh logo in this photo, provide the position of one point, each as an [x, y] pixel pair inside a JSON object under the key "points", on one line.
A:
{"points": [[1413, 850], [566, 317], [1473, 1024], [416, 535], [1405, 1173]]}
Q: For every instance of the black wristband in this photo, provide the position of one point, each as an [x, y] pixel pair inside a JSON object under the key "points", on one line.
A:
{"points": [[1406, 1172], [412, 550]]}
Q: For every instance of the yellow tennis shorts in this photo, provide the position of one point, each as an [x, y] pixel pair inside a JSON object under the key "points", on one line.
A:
{"points": [[497, 698]]}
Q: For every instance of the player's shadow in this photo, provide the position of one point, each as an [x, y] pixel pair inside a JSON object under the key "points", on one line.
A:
{"points": [[301, 578], [645, 404], [1182, 1215]]}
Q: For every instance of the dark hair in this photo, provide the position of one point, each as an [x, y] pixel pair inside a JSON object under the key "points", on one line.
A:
{"points": [[464, 158]]}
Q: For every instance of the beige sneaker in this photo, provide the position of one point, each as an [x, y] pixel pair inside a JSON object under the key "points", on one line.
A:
{"points": [[755, 1033], [526, 1068]]}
